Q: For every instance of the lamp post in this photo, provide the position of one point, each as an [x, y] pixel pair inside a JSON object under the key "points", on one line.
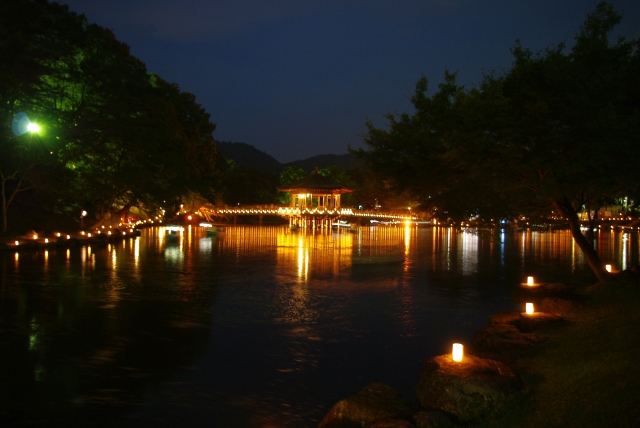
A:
{"points": [[34, 128]]}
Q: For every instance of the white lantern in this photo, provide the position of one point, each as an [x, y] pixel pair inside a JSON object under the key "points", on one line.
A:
{"points": [[529, 281], [457, 352], [529, 308]]}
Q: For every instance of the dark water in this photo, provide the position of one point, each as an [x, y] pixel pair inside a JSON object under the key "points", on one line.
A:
{"points": [[259, 327]]}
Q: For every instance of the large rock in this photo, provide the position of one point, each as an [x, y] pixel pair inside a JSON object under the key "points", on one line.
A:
{"points": [[536, 320], [394, 423], [468, 390], [432, 419], [557, 305], [525, 293], [377, 402], [504, 339], [505, 317]]}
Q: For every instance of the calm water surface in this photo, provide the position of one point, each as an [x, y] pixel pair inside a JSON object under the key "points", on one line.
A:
{"points": [[259, 327]]}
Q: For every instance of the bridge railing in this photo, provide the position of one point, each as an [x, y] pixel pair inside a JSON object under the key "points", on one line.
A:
{"points": [[287, 211]]}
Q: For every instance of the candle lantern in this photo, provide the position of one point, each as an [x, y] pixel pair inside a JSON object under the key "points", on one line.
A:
{"points": [[529, 308], [457, 352]]}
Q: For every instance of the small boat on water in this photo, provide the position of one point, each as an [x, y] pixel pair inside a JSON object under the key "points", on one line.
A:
{"points": [[342, 224], [211, 230], [173, 229]]}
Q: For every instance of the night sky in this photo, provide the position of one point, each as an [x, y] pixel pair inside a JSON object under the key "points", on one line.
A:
{"points": [[300, 78]]}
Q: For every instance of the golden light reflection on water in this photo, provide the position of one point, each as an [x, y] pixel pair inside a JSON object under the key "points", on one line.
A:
{"points": [[469, 252], [305, 253]]}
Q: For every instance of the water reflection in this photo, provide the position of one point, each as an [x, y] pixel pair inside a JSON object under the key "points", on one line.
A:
{"points": [[256, 326]]}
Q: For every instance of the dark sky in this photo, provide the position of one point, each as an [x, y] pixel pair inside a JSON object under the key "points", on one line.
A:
{"points": [[298, 78]]}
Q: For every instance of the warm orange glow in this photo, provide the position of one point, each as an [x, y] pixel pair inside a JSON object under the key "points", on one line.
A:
{"points": [[89, 235], [529, 280], [608, 268], [68, 236], [46, 240], [35, 236], [17, 243], [529, 308], [457, 352]]}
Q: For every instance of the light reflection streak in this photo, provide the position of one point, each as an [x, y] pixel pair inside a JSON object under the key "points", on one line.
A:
{"points": [[625, 254], [136, 251], [523, 248], [469, 253], [407, 239]]}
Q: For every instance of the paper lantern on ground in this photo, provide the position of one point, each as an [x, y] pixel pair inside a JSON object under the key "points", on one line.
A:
{"points": [[608, 268], [457, 352], [529, 308], [529, 281]]}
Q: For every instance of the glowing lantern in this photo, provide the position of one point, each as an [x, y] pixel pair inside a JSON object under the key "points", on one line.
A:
{"points": [[35, 236], [529, 308], [46, 240], [68, 236], [529, 281], [608, 268], [17, 243], [457, 352], [89, 235]]}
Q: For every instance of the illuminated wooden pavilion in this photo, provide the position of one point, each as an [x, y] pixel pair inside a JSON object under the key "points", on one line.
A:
{"points": [[315, 201]]}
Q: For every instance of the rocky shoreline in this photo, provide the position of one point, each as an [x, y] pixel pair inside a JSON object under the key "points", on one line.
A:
{"points": [[451, 393], [34, 241]]}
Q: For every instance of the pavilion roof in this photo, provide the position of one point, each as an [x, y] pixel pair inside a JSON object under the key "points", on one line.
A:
{"points": [[315, 183]]}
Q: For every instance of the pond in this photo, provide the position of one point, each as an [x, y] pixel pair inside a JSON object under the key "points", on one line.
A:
{"points": [[256, 327]]}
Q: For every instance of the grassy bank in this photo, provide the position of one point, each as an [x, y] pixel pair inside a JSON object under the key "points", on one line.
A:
{"points": [[587, 374]]}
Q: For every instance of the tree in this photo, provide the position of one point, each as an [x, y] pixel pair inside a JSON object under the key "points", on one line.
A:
{"points": [[30, 48], [116, 135], [287, 176], [555, 132]]}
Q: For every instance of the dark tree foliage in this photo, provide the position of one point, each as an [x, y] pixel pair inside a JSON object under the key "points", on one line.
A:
{"points": [[115, 135], [245, 185], [558, 131]]}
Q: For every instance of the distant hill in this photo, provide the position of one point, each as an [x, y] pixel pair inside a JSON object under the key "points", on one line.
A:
{"points": [[346, 161], [247, 155]]}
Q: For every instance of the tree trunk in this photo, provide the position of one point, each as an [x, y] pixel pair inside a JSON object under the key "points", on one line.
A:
{"points": [[591, 256]]}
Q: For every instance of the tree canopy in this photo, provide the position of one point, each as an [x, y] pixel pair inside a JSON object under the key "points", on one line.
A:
{"points": [[113, 135], [558, 131]]}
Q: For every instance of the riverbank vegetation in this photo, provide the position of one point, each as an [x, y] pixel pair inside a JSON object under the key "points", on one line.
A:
{"points": [[111, 134], [585, 374], [552, 135]]}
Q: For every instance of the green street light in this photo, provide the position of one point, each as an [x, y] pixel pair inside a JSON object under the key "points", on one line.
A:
{"points": [[34, 128]]}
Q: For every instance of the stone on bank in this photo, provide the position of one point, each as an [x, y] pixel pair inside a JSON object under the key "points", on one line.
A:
{"points": [[468, 390], [377, 402]]}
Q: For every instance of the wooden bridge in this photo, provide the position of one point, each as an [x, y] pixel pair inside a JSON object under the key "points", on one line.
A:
{"points": [[307, 216]]}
